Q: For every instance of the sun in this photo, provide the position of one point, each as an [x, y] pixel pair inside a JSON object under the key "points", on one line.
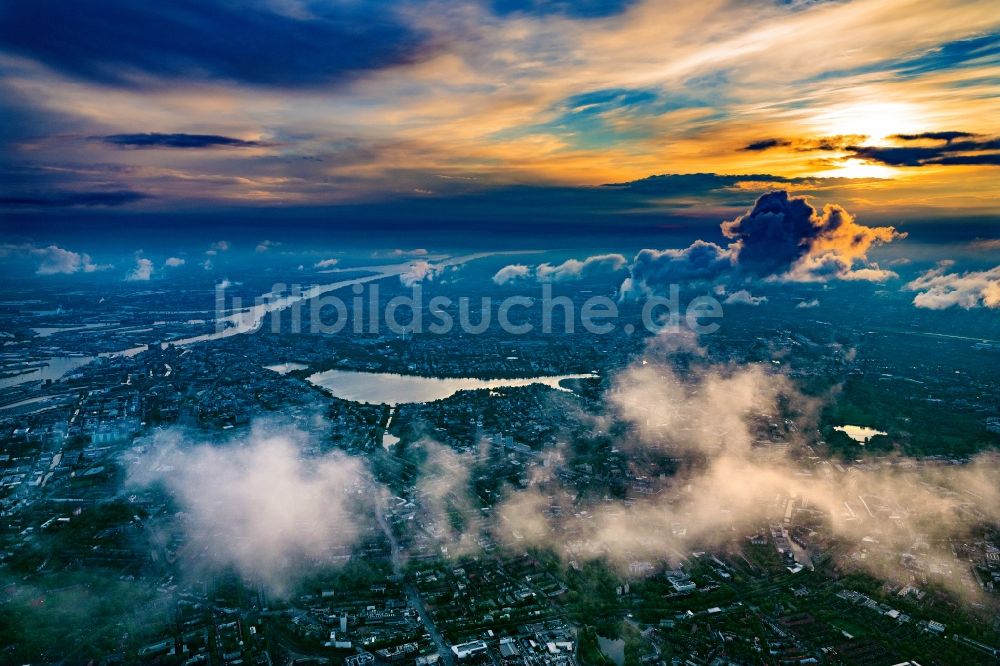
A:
{"points": [[875, 120]]}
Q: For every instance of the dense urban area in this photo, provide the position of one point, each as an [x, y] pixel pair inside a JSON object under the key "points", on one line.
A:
{"points": [[109, 556]]}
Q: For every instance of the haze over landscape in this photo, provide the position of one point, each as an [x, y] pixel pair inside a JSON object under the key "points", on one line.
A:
{"points": [[500, 332]]}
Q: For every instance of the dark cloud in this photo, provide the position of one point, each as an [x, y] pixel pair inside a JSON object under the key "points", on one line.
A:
{"points": [[693, 183], [66, 199], [781, 237], [934, 136], [984, 159], [950, 151], [828, 143], [896, 156], [134, 43], [774, 234], [785, 236], [835, 142], [176, 140], [653, 270], [953, 147], [581, 9], [969, 146], [766, 144]]}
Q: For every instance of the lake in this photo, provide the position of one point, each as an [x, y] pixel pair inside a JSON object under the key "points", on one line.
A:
{"points": [[394, 389], [859, 434]]}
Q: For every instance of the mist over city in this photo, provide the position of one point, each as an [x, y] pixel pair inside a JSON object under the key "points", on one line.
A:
{"points": [[500, 332]]}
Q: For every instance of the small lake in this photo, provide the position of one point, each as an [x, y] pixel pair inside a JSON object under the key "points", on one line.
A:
{"points": [[859, 434], [612, 649], [394, 389]]}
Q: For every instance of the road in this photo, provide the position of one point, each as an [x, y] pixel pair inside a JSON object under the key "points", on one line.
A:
{"points": [[447, 656]]}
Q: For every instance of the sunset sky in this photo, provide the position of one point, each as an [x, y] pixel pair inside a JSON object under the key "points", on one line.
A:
{"points": [[481, 110]]}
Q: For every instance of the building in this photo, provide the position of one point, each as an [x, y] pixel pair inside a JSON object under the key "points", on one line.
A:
{"points": [[465, 650]]}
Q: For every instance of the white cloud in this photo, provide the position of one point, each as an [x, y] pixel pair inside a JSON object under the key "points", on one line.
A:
{"points": [[744, 297], [511, 273], [419, 271], [732, 480], [259, 505], [142, 272], [173, 262], [266, 245], [569, 270], [54, 260], [326, 263], [574, 269], [939, 289], [813, 303]]}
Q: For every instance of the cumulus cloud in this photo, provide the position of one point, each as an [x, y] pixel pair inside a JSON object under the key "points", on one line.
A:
{"points": [[420, 271], [781, 238], [258, 505], [653, 270], [326, 263], [173, 262], [52, 259], [939, 289], [574, 269], [811, 303], [415, 252], [786, 237], [266, 245], [512, 273], [570, 270], [142, 272], [744, 297]]}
